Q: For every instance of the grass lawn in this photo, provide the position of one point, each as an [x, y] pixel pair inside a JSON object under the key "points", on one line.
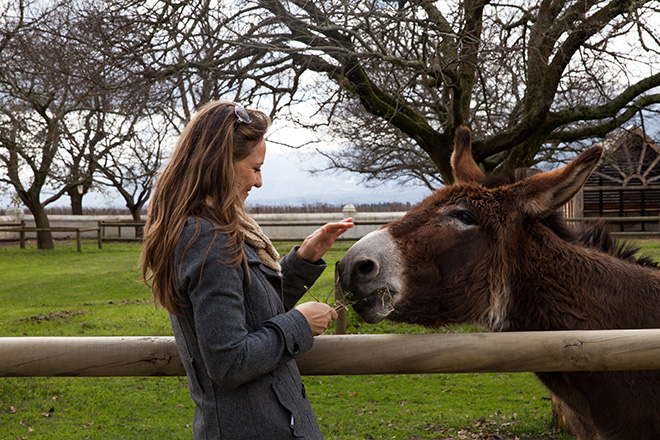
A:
{"points": [[97, 293]]}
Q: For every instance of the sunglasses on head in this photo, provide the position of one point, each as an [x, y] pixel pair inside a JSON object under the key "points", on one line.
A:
{"points": [[241, 116]]}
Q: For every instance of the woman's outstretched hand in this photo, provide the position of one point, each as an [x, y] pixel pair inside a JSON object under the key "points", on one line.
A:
{"points": [[319, 315], [318, 242]]}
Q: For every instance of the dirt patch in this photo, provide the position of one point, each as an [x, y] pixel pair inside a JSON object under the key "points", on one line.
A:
{"points": [[485, 429], [129, 301], [62, 314]]}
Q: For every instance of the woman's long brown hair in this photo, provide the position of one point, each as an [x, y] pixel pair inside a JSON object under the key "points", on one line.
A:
{"points": [[199, 181]]}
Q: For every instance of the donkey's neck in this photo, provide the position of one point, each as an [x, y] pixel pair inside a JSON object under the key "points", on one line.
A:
{"points": [[558, 285]]}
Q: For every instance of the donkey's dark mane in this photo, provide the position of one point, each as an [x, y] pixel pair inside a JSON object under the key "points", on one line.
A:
{"points": [[595, 235]]}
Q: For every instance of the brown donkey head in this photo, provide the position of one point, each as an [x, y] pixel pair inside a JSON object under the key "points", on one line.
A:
{"points": [[449, 259]]}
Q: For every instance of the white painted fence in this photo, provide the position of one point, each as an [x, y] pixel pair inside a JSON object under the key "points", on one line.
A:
{"points": [[276, 226]]}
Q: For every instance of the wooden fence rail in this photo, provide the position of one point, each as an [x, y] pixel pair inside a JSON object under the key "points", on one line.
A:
{"points": [[637, 219], [139, 226], [22, 230], [351, 354]]}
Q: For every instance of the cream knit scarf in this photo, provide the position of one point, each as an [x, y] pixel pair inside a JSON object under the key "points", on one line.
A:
{"points": [[255, 237]]}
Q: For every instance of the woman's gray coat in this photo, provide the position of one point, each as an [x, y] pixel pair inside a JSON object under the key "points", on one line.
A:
{"points": [[238, 336]]}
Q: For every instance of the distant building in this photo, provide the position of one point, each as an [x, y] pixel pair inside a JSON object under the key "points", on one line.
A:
{"points": [[625, 184]]}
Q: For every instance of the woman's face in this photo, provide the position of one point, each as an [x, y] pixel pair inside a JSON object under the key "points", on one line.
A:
{"points": [[248, 170]]}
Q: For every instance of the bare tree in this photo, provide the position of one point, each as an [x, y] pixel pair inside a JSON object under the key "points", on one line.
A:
{"points": [[189, 62], [81, 134], [381, 154], [38, 88], [88, 135], [69, 95], [131, 166], [390, 79], [522, 75], [101, 135]]}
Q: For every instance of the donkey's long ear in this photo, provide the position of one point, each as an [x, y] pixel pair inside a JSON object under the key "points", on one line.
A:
{"points": [[547, 192], [464, 167]]}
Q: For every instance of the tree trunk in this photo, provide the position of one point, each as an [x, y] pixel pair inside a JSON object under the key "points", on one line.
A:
{"points": [[44, 238], [76, 201], [137, 217]]}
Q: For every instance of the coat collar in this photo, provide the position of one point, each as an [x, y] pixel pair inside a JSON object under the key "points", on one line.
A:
{"points": [[253, 259]]}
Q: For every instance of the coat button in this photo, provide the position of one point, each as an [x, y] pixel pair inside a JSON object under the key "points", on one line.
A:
{"points": [[304, 393]]}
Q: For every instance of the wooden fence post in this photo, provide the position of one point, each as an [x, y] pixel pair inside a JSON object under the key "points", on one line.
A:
{"points": [[341, 324]]}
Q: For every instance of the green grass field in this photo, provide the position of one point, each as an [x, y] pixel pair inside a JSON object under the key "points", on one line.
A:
{"points": [[98, 293]]}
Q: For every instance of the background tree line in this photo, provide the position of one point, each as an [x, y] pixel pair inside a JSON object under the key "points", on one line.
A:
{"points": [[92, 92]]}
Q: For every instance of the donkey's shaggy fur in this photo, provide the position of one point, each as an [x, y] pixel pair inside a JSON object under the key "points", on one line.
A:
{"points": [[497, 254]]}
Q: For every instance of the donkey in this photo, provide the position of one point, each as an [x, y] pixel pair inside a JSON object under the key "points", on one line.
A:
{"points": [[497, 254]]}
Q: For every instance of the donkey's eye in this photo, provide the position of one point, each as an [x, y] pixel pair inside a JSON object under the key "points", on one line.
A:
{"points": [[464, 216]]}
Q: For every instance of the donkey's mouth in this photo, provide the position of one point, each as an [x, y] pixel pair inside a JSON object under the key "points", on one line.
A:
{"points": [[376, 306]]}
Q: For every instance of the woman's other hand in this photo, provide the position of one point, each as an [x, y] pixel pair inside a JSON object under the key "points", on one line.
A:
{"points": [[319, 315], [318, 242]]}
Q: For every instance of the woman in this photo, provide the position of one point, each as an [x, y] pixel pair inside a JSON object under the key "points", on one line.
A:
{"points": [[231, 302]]}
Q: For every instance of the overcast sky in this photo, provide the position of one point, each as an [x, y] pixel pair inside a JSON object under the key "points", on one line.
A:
{"points": [[287, 181]]}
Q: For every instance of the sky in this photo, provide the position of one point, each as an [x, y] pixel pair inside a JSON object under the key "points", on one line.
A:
{"points": [[286, 173], [287, 180]]}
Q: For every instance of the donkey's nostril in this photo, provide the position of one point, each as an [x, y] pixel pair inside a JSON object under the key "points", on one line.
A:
{"points": [[366, 270], [365, 267]]}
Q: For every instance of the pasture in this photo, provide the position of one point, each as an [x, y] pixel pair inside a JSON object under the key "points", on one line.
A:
{"points": [[97, 293]]}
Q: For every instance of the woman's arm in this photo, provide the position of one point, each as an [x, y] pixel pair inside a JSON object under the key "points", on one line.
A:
{"points": [[232, 354], [303, 265]]}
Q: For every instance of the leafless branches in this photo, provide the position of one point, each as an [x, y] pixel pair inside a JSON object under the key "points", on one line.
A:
{"points": [[514, 72], [388, 80]]}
